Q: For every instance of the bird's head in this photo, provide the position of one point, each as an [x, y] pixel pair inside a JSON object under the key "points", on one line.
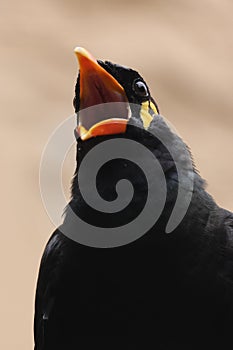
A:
{"points": [[113, 101], [109, 97], [121, 136]]}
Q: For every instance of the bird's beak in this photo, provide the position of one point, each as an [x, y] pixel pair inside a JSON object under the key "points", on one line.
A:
{"points": [[103, 103]]}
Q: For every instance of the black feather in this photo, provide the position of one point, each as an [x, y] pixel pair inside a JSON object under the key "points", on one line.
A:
{"points": [[170, 291]]}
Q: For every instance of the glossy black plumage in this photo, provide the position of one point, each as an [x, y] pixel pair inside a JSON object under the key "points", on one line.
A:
{"points": [[173, 291]]}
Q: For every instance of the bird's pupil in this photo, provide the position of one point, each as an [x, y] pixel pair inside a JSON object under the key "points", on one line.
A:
{"points": [[140, 88]]}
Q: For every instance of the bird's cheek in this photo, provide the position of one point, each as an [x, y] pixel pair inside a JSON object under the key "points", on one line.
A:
{"points": [[145, 115]]}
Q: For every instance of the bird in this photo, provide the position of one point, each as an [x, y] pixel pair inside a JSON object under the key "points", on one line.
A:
{"points": [[161, 290]]}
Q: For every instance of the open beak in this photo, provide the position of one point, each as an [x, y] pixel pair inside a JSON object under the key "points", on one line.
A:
{"points": [[104, 108]]}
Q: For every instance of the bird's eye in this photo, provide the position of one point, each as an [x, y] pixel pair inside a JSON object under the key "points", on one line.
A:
{"points": [[140, 88]]}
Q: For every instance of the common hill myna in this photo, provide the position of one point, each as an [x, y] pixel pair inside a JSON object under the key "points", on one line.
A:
{"points": [[162, 290]]}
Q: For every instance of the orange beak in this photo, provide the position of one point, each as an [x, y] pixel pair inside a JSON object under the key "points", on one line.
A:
{"points": [[104, 106]]}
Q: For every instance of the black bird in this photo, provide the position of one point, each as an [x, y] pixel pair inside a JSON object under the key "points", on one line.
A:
{"points": [[162, 291]]}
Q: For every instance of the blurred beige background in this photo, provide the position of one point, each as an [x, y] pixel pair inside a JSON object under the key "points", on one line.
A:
{"points": [[183, 49]]}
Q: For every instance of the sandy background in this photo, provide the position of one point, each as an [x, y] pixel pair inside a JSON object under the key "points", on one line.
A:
{"points": [[183, 49]]}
